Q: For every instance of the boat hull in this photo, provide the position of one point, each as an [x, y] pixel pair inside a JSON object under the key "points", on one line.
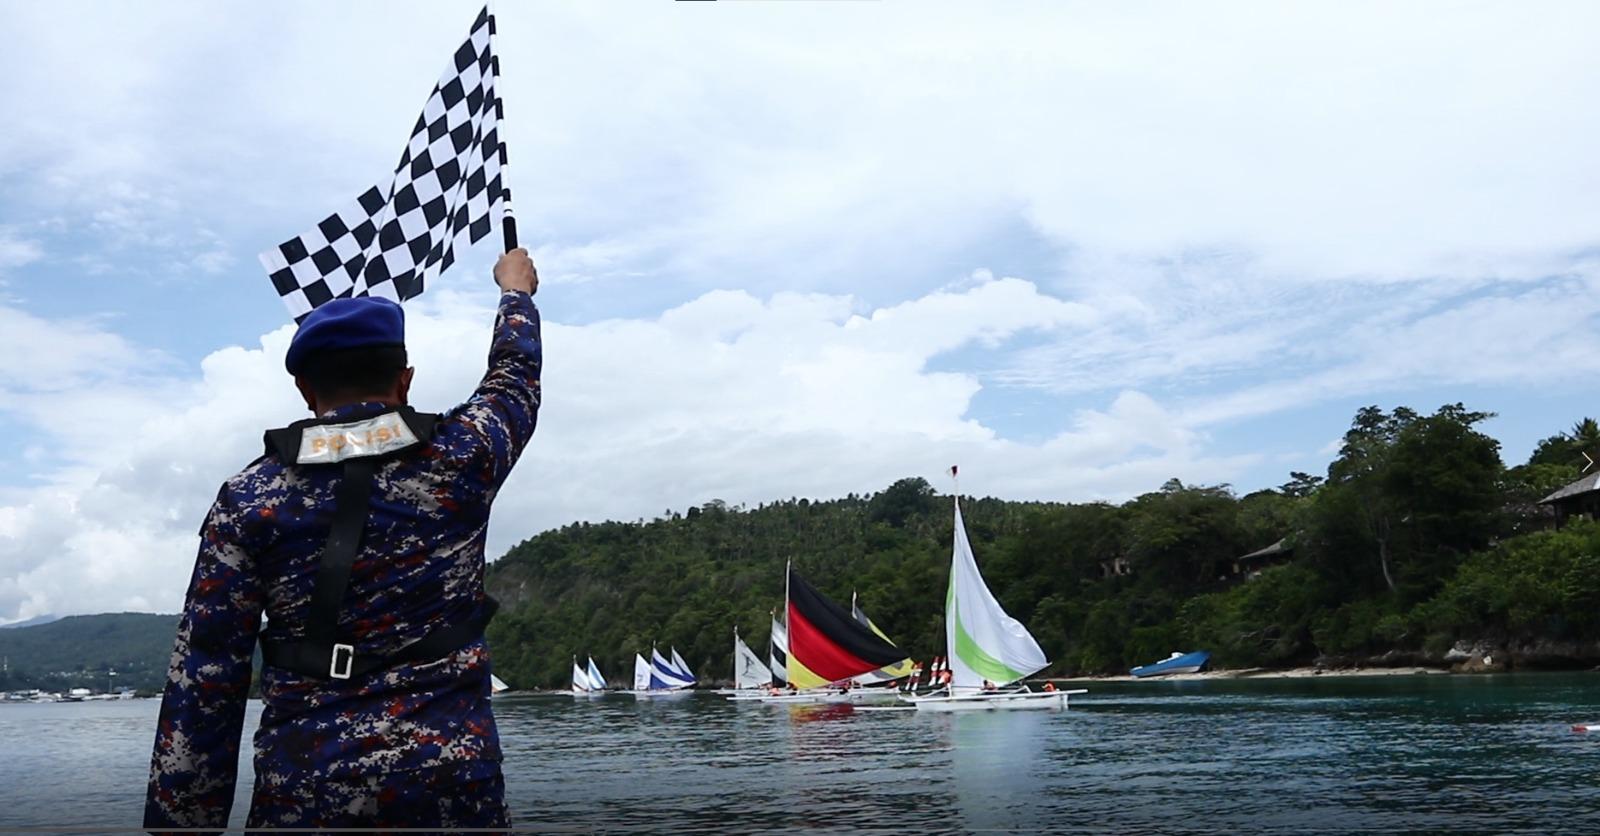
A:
{"points": [[661, 694], [1023, 700], [1179, 663], [859, 697]]}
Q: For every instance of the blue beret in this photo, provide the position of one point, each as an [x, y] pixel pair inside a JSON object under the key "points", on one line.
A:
{"points": [[348, 322]]}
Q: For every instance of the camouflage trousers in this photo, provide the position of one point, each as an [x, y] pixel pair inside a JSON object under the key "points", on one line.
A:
{"points": [[468, 795]]}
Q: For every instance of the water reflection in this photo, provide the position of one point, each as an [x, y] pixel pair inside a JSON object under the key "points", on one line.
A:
{"points": [[997, 759], [1478, 753]]}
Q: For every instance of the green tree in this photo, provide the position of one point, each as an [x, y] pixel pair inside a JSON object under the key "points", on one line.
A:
{"points": [[1567, 449], [1420, 492]]}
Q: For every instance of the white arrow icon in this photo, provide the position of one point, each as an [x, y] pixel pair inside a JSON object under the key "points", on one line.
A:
{"points": [[1587, 466]]}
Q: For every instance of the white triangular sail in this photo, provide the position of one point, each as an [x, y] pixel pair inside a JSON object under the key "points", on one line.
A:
{"points": [[496, 684], [681, 666], [596, 681], [580, 679], [748, 669], [984, 642], [641, 673]]}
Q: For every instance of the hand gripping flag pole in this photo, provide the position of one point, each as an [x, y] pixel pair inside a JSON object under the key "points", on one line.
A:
{"points": [[400, 234]]}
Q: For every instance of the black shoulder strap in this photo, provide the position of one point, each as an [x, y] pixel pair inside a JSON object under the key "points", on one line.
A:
{"points": [[352, 500]]}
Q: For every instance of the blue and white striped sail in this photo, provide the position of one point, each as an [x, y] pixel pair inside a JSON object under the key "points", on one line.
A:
{"points": [[595, 679], [663, 676]]}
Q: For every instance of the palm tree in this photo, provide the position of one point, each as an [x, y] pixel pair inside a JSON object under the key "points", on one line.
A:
{"points": [[1585, 438]]}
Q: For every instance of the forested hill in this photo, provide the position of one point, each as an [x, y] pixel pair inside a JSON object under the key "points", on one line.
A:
{"points": [[1417, 538], [80, 650]]}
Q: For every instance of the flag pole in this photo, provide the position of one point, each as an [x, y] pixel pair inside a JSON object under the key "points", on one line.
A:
{"points": [[508, 219]]}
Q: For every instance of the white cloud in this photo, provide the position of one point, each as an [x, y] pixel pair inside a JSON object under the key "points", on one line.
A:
{"points": [[728, 396], [38, 354], [1541, 335], [792, 144], [16, 250], [1226, 211]]}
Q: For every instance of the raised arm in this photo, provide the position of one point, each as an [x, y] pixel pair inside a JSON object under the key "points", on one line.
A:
{"points": [[196, 757], [505, 408]]}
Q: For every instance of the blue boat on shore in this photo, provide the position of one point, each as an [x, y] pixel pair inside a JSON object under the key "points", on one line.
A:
{"points": [[1176, 663]]}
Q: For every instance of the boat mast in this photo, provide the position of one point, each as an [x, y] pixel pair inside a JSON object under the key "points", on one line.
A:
{"points": [[788, 643], [955, 482]]}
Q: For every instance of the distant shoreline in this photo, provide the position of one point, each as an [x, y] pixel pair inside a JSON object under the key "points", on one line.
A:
{"points": [[1265, 673]]}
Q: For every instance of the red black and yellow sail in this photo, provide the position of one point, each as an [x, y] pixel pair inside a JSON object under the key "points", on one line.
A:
{"points": [[826, 643]]}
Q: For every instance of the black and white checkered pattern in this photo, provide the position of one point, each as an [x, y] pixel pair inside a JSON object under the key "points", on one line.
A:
{"points": [[395, 238]]}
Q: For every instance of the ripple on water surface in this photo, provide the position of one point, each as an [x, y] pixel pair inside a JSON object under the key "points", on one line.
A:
{"points": [[1381, 754]]}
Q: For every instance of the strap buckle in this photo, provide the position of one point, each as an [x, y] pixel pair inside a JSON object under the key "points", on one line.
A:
{"points": [[337, 671]]}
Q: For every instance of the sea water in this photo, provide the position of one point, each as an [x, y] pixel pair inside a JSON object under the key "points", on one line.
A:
{"points": [[1380, 754]]}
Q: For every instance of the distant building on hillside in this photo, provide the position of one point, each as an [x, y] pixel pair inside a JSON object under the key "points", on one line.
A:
{"points": [[1115, 567], [1250, 565], [1579, 499]]}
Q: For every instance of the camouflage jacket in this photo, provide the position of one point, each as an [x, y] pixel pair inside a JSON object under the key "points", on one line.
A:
{"points": [[420, 565]]}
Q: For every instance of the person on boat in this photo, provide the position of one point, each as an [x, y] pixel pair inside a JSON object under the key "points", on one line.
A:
{"points": [[988, 686], [360, 532], [1049, 686]]}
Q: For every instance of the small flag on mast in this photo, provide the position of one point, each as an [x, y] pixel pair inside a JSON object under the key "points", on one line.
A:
{"points": [[401, 233]]}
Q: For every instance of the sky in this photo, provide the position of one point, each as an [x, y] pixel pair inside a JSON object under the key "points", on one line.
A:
{"points": [[799, 248]]}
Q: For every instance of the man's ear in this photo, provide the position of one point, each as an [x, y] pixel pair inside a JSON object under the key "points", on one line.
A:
{"points": [[305, 392], [403, 385]]}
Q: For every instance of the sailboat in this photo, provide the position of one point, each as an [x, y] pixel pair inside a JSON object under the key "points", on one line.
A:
{"points": [[778, 653], [889, 673], [750, 674], [497, 685], [680, 668], [827, 648], [587, 682], [989, 650], [641, 674], [659, 677]]}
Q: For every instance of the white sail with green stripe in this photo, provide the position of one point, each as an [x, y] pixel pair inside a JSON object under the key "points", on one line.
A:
{"points": [[985, 644]]}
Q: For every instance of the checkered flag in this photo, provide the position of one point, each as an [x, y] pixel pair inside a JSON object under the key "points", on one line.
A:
{"points": [[399, 235]]}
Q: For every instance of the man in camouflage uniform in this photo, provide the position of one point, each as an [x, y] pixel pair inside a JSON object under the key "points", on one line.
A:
{"points": [[391, 743]]}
